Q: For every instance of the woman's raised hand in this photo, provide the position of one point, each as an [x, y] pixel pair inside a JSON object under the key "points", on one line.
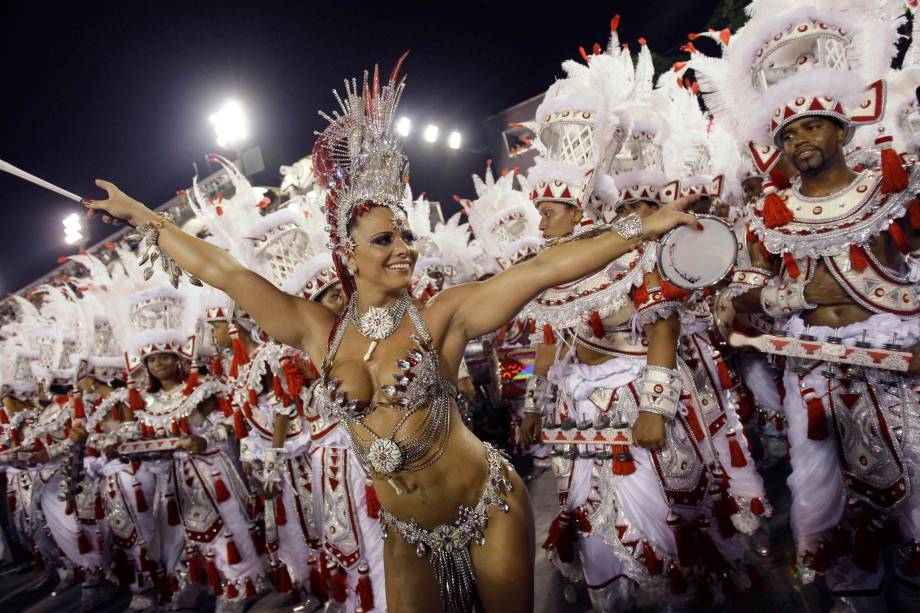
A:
{"points": [[670, 216], [118, 206]]}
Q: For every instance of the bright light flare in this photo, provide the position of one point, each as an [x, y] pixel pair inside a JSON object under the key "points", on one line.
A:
{"points": [[73, 229], [431, 133], [230, 124], [453, 141], [403, 126]]}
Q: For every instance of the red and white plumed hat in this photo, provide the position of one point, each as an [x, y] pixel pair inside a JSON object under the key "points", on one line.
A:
{"points": [[799, 58], [503, 219], [580, 127], [286, 246]]}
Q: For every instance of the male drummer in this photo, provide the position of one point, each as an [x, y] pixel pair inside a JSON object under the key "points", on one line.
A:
{"points": [[848, 452]]}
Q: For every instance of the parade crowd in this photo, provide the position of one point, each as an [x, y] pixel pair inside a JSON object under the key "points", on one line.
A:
{"points": [[162, 432]]}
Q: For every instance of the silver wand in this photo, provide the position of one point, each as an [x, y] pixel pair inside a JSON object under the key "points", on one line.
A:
{"points": [[16, 172]]}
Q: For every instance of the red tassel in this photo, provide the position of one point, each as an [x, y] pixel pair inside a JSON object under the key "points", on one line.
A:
{"points": [[317, 585], [240, 355], [364, 591], [734, 450], [757, 507], [623, 463], [858, 259], [225, 407], [725, 375], [139, 498], [79, 411], [694, 423], [371, 500], [581, 517], [640, 295], [134, 399], [252, 397], [792, 267], [775, 211], [193, 380], [561, 537], [232, 592], [339, 586], [670, 292], [911, 566], [83, 543], [687, 553], [233, 554], [817, 421], [239, 426], [210, 570], [549, 338], [221, 493], [280, 514], [250, 589], [894, 175], [282, 579], [597, 326], [195, 567], [678, 581], [898, 237], [4, 418], [172, 511], [652, 562], [914, 210], [215, 366], [779, 178]]}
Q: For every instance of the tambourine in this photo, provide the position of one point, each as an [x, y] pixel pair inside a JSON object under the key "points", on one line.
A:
{"points": [[694, 259]]}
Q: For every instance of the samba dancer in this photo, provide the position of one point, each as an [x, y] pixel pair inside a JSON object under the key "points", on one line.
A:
{"points": [[423, 469]]}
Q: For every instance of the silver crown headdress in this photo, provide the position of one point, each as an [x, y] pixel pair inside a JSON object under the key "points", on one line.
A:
{"points": [[357, 157]]}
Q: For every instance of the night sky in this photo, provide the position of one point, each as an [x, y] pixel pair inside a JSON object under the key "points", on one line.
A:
{"points": [[123, 91]]}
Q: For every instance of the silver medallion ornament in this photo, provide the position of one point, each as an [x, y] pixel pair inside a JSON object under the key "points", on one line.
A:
{"points": [[377, 323], [384, 456]]}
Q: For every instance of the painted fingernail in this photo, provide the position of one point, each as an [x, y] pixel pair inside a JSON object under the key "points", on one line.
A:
{"points": [[86, 201], [699, 226]]}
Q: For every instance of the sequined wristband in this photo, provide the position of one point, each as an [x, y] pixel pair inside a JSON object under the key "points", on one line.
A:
{"points": [[629, 227], [535, 394], [660, 392], [148, 234]]}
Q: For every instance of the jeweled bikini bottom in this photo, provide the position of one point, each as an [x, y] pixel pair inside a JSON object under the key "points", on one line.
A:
{"points": [[448, 545]]}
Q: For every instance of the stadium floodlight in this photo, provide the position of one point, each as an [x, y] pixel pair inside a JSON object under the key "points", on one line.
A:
{"points": [[230, 124], [453, 141], [403, 126], [431, 133], [73, 229]]}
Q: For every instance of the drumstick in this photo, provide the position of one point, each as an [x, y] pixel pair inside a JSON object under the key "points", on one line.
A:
{"points": [[16, 172]]}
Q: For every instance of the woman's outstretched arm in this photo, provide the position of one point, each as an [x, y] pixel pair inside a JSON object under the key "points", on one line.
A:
{"points": [[286, 318], [483, 307]]}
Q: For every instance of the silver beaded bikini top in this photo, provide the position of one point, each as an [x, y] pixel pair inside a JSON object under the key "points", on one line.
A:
{"points": [[420, 387]]}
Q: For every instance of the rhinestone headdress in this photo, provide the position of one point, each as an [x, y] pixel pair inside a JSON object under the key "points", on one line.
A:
{"points": [[357, 157]]}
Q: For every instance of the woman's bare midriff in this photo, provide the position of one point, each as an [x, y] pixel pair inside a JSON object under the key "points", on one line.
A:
{"points": [[432, 495]]}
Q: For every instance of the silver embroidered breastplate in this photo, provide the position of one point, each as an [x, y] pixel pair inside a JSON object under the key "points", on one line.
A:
{"points": [[420, 387]]}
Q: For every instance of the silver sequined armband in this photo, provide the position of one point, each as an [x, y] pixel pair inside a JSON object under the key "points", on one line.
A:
{"points": [[149, 234], [629, 227], [660, 392]]}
